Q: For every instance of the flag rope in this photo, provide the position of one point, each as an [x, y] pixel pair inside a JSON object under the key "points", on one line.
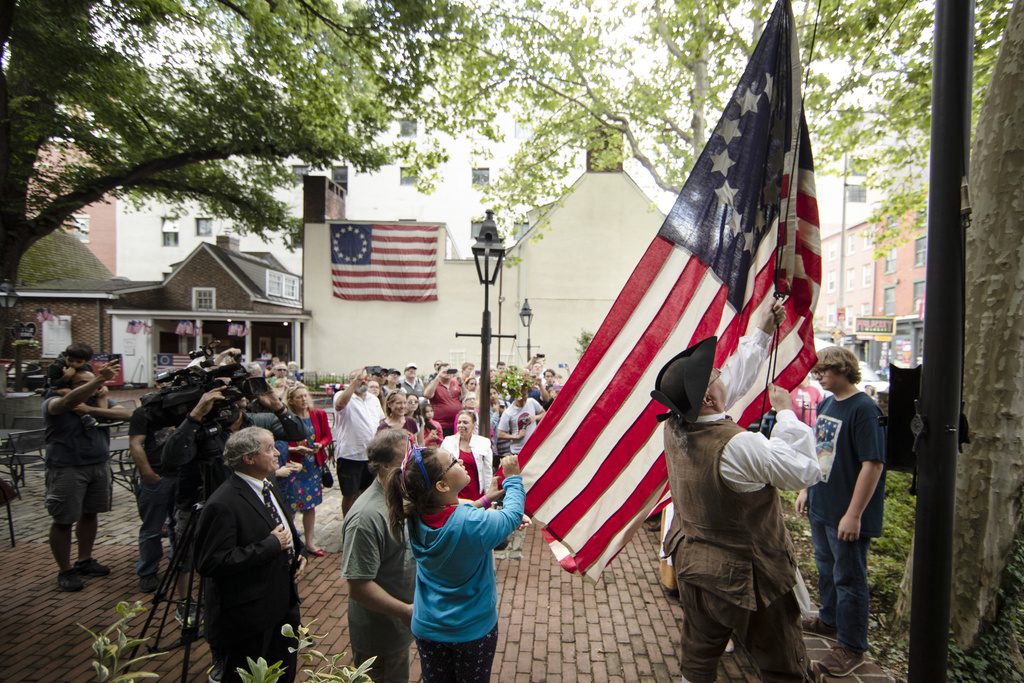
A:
{"points": [[780, 293]]}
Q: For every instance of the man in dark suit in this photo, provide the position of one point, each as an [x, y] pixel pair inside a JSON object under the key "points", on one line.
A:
{"points": [[248, 551]]}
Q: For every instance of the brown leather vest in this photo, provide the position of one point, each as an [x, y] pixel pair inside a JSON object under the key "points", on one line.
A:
{"points": [[732, 544]]}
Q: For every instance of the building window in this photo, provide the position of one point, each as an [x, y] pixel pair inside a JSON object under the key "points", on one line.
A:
{"points": [[481, 177], [408, 177], [290, 288], [81, 227], [275, 283], [300, 172], [865, 309], [170, 232], [851, 279], [857, 167], [890, 261], [832, 250], [918, 295], [890, 301], [406, 128], [339, 174], [204, 227], [831, 281], [848, 318], [868, 242], [524, 130], [856, 194], [830, 315], [851, 244], [921, 251], [204, 299], [865, 274]]}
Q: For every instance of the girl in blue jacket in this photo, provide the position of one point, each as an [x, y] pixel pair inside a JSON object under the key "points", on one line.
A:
{"points": [[455, 613]]}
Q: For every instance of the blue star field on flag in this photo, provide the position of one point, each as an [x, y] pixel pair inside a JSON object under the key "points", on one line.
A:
{"points": [[732, 196]]}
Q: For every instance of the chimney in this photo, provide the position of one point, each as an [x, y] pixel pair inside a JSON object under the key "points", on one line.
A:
{"points": [[322, 200], [229, 242]]}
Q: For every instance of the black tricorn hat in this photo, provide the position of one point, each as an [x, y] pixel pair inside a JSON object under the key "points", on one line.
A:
{"points": [[683, 381]]}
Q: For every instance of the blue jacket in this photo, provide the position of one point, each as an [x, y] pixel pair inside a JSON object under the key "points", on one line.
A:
{"points": [[456, 599]]}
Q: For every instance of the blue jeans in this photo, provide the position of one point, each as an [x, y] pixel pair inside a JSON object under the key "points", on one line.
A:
{"points": [[842, 584], [156, 503]]}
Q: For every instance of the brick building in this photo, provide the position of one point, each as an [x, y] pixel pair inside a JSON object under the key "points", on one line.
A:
{"points": [[890, 287], [217, 289]]}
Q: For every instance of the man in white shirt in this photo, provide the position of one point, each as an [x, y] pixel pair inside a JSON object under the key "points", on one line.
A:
{"points": [[733, 557], [357, 414]]}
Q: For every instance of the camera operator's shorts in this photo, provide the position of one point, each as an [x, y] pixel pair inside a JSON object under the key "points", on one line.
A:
{"points": [[74, 491], [353, 476]]}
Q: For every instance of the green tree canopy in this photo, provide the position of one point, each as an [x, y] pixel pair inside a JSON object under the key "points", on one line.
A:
{"points": [[201, 100], [659, 72]]}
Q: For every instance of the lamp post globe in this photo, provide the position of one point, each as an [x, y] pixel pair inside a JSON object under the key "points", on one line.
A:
{"points": [[488, 253]]}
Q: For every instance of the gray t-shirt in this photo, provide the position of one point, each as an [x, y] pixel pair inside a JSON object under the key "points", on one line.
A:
{"points": [[369, 551], [514, 418]]}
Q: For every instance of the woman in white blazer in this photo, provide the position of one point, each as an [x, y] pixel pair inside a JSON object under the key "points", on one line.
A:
{"points": [[474, 451]]}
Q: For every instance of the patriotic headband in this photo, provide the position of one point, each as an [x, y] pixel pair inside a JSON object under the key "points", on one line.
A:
{"points": [[413, 450]]}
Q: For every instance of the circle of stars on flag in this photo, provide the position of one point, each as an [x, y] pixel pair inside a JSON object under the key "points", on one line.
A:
{"points": [[347, 256]]}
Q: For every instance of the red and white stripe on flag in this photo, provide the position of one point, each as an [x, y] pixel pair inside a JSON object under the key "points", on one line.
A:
{"points": [[594, 470], [384, 262]]}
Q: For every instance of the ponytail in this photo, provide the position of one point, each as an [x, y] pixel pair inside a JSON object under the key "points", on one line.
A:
{"points": [[407, 494]]}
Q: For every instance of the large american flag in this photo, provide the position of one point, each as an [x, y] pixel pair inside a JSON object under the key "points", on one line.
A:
{"points": [[595, 468], [384, 262]]}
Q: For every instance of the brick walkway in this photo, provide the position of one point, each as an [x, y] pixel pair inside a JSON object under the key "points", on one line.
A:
{"points": [[553, 627]]}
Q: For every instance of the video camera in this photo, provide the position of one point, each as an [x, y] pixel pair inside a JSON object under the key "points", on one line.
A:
{"points": [[184, 387]]}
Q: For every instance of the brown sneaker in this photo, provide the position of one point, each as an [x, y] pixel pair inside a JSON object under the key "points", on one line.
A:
{"points": [[839, 661], [818, 627]]}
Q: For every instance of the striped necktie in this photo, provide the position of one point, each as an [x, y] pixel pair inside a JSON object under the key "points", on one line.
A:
{"points": [[276, 517]]}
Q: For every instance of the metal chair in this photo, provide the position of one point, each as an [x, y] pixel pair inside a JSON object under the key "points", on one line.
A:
{"points": [[7, 494], [27, 422], [26, 448]]}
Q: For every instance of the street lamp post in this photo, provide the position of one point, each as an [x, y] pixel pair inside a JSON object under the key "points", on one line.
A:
{"points": [[11, 303], [526, 316], [488, 252]]}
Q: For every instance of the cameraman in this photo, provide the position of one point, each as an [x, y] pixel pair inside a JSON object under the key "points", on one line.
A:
{"points": [[187, 451]]}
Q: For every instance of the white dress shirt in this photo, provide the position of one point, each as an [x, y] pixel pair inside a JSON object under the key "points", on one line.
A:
{"points": [[750, 462], [257, 486]]}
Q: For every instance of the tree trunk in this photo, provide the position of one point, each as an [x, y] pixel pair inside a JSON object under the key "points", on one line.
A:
{"points": [[990, 478]]}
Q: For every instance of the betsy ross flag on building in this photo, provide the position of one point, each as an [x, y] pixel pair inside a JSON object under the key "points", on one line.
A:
{"points": [[740, 229], [384, 262]]}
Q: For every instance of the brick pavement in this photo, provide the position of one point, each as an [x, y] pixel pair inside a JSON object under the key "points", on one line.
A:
{"points": [[553, 626]]}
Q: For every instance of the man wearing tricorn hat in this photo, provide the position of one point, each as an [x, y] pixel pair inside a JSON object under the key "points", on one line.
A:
{"points": [[733, 557]]}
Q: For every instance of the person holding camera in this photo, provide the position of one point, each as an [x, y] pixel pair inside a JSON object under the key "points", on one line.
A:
{"points": [[357, 412], [78, 479], [192, 448], [445, 393], [455, 614]]}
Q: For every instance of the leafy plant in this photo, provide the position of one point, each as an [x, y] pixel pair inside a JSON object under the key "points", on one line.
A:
{"points": [[582, 342], [514, 382], [113, 662], [994, 660]]}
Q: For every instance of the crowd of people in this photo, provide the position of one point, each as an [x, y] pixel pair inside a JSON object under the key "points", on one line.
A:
{"points": [[426, 498]]}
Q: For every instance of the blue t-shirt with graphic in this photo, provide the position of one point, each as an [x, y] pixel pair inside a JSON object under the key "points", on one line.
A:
{"points": [[848, 434]]}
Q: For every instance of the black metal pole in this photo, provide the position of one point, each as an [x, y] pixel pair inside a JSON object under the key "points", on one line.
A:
{"points": [[484, 403], [529, 355], [943, 330]]}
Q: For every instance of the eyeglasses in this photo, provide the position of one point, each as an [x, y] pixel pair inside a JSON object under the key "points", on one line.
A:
{"points": [[819, 372], [455, 461], [715, 374]]}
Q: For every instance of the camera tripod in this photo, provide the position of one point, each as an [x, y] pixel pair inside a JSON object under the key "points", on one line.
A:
{"points": [[183, 548]]}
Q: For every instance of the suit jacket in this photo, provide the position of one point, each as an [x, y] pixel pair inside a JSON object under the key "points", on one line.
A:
{"points": [[250, 584]]}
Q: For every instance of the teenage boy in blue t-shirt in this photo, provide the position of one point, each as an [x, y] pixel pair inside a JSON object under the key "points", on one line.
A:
{"points": [[845, 508]]}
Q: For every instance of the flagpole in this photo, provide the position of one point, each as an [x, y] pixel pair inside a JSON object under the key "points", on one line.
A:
{"points": [[941, 380]]}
